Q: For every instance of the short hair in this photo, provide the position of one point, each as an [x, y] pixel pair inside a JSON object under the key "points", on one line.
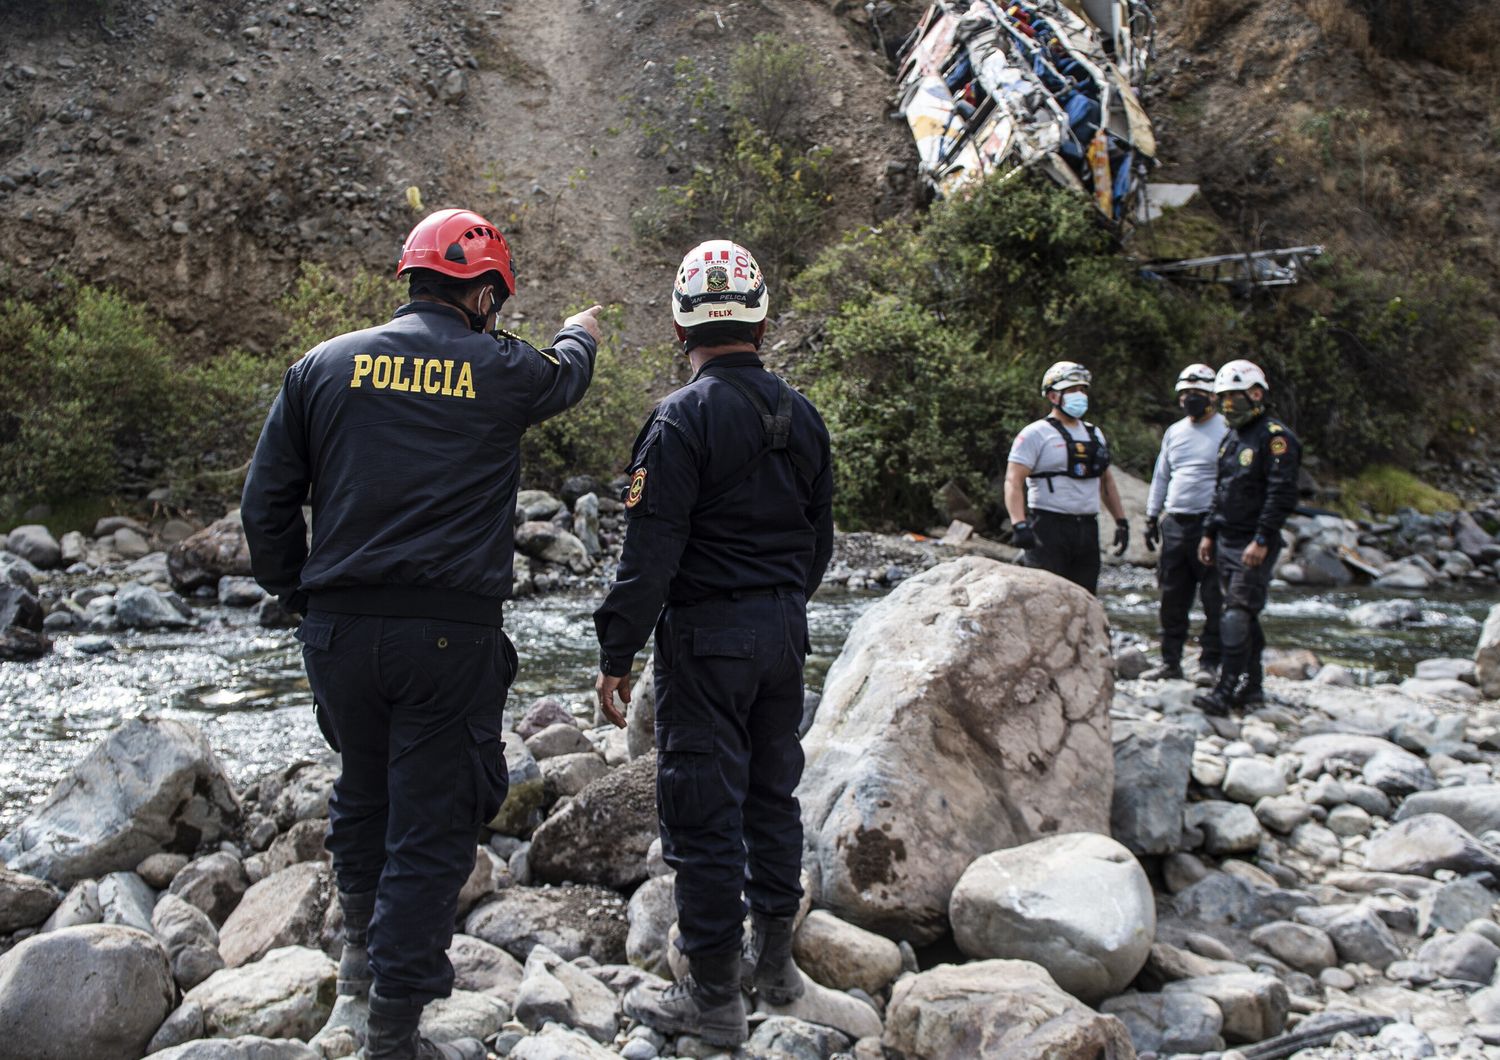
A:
{"points": [[719, 333], [450, 288]]}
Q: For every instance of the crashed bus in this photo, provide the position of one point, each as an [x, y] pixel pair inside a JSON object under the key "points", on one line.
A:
{"points": [[998, 88]]}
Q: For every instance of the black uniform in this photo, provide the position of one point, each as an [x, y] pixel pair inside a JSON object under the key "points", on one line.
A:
{"points": [[407, 436], [730, 526], [1255, 492]]}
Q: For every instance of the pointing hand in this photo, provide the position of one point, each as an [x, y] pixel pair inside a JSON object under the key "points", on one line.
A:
{"points": [[588, 320]]}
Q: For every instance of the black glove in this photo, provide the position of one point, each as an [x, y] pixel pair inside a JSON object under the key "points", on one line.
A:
{"points": [[1023, 536], [1153, 533], [1122, 536]]}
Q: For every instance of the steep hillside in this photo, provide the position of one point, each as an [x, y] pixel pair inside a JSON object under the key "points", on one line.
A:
{"points": [[1317, 121], [194, 153]]}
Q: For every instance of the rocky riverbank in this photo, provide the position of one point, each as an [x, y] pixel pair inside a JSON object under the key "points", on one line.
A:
{"points": [[134, 575], [1313, 880]]}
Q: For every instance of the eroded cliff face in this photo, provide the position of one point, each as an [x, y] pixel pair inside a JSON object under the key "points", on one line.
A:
{"points": [[195, 154]]}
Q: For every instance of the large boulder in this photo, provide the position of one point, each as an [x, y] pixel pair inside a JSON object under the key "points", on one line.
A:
{"points": [[571, 921], [98, 991], [285, 909], [602, 834], [1421, 845], [142, 607], [208, 555], [35, 544], [1475, 807], [968, 711], [1487, 655], [1040, 902], [997, 1010], [289, 993], [151, 785], [1153, 762]]}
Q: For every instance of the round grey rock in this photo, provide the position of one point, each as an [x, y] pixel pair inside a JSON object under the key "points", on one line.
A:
{"points": [[98, 991]]}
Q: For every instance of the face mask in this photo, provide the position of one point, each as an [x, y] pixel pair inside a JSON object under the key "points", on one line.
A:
{"points": [[1074, 405], [1239, 410], [1195, 405]]}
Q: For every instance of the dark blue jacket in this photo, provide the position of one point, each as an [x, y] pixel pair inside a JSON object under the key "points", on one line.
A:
{"points": [[702, 520], [1256, 489], [407, 436]]}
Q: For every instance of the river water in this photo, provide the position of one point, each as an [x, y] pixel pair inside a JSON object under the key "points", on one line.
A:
{"points": [[245, 687]]}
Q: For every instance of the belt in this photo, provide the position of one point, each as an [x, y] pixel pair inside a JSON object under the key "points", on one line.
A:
{"points": [[733, 596], [1186, 517], [1050, 514]]}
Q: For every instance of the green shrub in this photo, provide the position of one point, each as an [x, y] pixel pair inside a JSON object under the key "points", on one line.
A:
{"points": [[94, 383], [751, 179], [323, 303], [1383, 490], [770, 80], [935, 336]]}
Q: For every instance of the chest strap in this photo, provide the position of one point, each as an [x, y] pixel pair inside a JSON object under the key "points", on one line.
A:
{"points": [[776, 429]]}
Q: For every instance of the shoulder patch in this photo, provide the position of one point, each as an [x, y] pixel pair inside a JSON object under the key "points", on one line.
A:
{"points": [[1278, 446], [1247, 457], [637, 488]]}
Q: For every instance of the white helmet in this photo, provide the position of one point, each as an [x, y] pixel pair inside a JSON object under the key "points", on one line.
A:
{"points": [[719, 282], [1064, 374], [1239, 375], [1196, 377]]}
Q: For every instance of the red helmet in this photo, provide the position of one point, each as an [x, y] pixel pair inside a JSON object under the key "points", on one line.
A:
{"points": [[457, 243]]}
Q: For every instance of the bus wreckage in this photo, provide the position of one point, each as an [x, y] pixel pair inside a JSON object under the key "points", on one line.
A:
{"points": [[996, 88], [990, 87]]}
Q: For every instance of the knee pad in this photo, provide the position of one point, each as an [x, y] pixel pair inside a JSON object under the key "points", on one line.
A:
{"points": [[1234, 628]]}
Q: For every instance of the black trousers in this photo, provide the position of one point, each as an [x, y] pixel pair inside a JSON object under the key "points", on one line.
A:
{"points": [[728, 701], [414, 706], [1067, 545], [1244, 590], [1181, 577]]}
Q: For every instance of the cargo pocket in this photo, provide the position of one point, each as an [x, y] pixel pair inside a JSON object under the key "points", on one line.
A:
{"points": [[315, 631], [489, 781], [689, 788]]}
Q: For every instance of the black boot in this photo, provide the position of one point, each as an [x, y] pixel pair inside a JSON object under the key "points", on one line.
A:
{"points": [[393, 1034], [705, 1003], [354, 962], [1167, 671], [768, 959]]}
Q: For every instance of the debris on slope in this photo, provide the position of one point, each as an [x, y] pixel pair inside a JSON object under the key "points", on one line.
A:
{"points": [[992, 89]]}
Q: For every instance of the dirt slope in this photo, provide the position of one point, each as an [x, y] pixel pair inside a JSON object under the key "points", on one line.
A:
{"points": [[195, 152], [1301, 130]]}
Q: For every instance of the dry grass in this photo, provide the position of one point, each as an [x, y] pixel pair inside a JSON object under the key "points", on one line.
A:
{"points": [[1202, 20]]}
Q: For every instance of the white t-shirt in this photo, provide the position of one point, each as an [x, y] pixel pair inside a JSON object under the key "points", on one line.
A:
{"points": [[1039, 446]]}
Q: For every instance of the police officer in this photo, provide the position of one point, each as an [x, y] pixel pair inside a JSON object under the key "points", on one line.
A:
{"points": [[1058, 470], [1255, 492], [729, 525], [406, 437], [1182, 488]]}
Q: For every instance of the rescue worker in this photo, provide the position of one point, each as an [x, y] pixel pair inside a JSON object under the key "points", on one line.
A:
{"points": [[1182, 488], [1255, 493], [729, 528], [406, 437], [1058, 471]]}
